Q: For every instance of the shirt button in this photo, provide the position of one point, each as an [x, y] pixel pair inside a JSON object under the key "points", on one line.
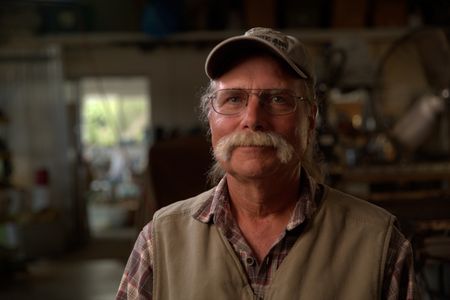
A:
{"points": [[250, 261]]}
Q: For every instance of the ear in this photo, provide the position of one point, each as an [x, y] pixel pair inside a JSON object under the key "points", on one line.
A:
{"points": [[312, 117]]}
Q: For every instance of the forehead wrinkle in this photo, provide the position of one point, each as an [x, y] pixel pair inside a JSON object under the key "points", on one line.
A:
{"points": [[254, 84], [297, 86], [258, 69]]}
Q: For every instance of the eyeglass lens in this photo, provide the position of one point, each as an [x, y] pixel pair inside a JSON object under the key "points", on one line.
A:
{"points": [[233, 101]]}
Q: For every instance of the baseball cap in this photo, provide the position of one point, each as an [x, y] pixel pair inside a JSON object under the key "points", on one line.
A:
{"points": [[286, 47]]}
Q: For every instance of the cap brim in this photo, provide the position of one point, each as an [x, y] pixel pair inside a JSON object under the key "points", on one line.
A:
{"points": [[228, 51]]}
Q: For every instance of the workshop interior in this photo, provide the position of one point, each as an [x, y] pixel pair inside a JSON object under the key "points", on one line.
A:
{"points": [[99, 124]]}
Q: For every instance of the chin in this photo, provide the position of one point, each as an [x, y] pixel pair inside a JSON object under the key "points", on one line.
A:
{"points": [[253, 168]]}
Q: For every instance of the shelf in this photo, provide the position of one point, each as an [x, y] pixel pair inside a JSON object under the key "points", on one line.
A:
{"points": [[206, 36], [394, 173]]}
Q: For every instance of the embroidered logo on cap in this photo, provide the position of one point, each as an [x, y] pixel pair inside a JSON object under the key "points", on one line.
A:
{"points": [[271, 36]]}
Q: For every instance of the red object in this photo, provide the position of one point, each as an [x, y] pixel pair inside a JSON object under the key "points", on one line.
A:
{"points": [[41, 177]]}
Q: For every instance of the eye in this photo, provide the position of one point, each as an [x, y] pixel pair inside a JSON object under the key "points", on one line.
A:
{"points": [[226, 98], [234, 99], [279, 99]]}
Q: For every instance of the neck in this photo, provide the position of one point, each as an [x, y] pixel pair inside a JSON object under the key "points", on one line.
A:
{"points": [[262, 208], [263, 197]]}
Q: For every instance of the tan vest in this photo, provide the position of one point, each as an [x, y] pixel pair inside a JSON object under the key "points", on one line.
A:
{"points": [[340, 255]]}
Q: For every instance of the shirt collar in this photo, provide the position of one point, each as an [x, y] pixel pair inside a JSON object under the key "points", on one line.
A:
{"points": [[215, 204]]}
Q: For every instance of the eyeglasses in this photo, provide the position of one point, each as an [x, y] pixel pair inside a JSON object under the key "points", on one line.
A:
{"points": [[234, 101]]}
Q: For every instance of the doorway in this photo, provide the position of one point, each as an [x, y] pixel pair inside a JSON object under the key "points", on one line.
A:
{"points": [[115, 119]]}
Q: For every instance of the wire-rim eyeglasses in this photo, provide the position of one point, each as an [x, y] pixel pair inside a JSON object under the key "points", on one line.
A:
{"points": [[274, 101]]}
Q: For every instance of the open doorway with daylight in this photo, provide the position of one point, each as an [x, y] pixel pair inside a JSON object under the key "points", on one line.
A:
{"points": [[115, 118]]}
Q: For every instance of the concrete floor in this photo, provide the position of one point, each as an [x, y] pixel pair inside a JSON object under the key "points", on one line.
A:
{"points": [[90, 273]]}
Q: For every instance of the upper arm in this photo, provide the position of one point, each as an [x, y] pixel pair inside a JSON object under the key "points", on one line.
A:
{"points": [[399, 277], [137, 279]]}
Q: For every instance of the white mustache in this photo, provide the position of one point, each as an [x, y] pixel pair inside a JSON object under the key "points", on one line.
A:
{"points": [[227, 144]]}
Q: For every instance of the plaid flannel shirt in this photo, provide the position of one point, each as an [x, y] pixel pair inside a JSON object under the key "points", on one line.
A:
{"points": [[136, 283]]}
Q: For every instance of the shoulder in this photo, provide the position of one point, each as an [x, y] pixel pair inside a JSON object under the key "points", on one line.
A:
{"points": [[184, 207], [356, 209]]}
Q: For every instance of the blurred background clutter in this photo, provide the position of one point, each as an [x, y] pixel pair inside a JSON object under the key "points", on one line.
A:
{"points": [[99, 124]]}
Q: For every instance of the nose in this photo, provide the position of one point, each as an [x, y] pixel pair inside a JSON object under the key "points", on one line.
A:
{"points": [[254, 115]]}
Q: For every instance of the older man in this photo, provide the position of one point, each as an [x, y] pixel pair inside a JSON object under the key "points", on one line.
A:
{"points": [[269, 229]]}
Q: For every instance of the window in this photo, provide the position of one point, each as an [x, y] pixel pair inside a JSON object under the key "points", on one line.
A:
{"points": [[115, 117]]}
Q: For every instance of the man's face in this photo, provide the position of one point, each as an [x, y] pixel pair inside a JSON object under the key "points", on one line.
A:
{"points": [[262, 72]]}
